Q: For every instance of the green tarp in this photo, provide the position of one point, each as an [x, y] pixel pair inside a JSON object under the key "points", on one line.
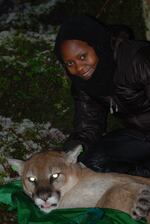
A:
{"points": [[12, 195]]}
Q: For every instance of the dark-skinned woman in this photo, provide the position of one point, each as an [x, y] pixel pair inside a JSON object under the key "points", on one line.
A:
{"points": [[109, 73]]}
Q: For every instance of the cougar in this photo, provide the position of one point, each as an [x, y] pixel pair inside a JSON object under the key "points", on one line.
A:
{"points": [[54, 179]]}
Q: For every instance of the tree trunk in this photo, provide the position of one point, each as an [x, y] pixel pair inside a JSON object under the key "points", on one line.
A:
{"points": [[146, 14]]}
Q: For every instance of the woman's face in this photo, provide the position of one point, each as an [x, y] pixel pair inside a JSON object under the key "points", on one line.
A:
{"points": [[79, 58]]}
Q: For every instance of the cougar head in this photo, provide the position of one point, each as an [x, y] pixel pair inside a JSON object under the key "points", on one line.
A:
{"points": [[47, 176]]}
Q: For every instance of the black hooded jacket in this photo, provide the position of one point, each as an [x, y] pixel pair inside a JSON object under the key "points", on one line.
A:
{"points": [[120, 83]]}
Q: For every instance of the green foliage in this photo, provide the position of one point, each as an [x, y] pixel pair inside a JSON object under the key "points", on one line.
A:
{"points": [[32, 82]]}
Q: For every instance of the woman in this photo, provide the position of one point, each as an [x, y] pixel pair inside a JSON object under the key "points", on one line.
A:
{"points": [[109, 72]]}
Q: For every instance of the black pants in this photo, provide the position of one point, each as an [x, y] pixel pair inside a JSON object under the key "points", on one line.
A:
{"points": [[123, 151]]}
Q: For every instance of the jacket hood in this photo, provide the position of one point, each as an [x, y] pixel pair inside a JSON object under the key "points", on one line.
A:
{"points": [[98, 36], [86, 29]]}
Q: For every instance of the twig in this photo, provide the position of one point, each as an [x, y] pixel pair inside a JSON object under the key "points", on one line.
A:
{"points": [[9, 170], [102, 8]]}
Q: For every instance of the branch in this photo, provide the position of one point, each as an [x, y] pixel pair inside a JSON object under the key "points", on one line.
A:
{"points": [[103, 8]]}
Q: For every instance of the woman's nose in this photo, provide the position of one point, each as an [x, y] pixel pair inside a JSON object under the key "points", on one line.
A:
{"points": [[80, 68]]}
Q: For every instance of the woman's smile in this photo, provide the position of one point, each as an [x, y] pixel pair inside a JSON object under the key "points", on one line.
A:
{"points": [[87, 75]]}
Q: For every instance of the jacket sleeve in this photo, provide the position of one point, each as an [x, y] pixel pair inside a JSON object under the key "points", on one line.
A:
{"points": [[133, 92], [89, 121], [133, 84], [143, 61]]}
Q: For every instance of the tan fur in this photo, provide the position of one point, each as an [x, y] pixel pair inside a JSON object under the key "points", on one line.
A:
{"points": [[79, 186]]}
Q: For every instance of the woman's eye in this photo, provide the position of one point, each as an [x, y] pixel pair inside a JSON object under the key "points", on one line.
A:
{"points": [[32, 179], [68, 64], [82, 57]]}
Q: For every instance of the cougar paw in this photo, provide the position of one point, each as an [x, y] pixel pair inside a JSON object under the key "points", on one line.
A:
{"points": [[142, 205]]}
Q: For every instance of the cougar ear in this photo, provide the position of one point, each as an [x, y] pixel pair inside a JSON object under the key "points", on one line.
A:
{"points": [[72, 155], [17, 165]]}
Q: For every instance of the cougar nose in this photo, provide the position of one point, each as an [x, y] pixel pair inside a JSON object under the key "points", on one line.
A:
{"points": [[44, 193]]}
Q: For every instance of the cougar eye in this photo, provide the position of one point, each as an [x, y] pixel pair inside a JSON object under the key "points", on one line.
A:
{"points": [[55, 176], [32, 179]]}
